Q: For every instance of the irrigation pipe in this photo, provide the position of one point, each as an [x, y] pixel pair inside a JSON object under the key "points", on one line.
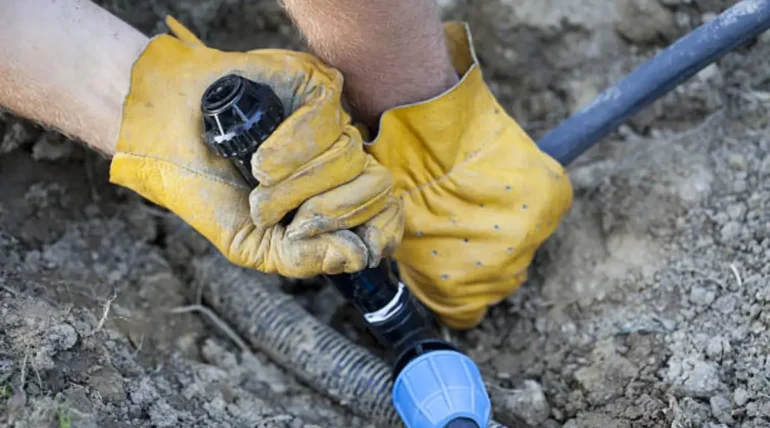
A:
{"points": [[655, 78]]}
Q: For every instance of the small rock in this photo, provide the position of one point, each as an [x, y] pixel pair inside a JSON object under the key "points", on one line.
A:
{"points": [[764, 408], [595, 420], [737, 162], [76, 398], [683, 19], [726, 304], [754, 310], [741, 396], [699, 379], [15, 135], [163, 415], [763, 294], [721, 409], [51, 147], [62, 337], [700, 296], [737, 211], [708, 17], [752, 409], [764, 38], [764, 167], [143, 393], [527, 404], [5, 366], [730, 231], [108, 382], [713, 75], [757, 327], [58, 338], [644, 21], [717, 348]]}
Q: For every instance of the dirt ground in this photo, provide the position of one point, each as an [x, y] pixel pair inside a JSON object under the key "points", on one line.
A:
{"points": [[650, 306]]}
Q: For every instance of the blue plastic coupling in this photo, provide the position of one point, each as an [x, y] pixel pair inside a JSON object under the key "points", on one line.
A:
{"points": [[442, 389]]}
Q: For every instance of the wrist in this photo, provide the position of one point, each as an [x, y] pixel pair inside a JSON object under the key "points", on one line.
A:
{"points": [[372, 91], [390, 52]]}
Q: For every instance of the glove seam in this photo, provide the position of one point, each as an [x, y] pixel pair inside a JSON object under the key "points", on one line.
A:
{"points": [[166, 161]]}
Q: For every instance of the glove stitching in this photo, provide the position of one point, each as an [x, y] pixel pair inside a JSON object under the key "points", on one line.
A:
{"points": [[213, 177]]}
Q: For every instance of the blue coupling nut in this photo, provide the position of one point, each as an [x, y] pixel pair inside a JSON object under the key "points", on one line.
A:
{"points": [[442, 389]]}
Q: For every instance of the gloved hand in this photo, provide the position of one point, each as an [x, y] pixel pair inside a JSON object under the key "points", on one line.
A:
{"points": [[314, 161], [479, 196]]}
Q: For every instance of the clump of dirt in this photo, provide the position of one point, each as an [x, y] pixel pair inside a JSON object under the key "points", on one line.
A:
{"points": [[648, 308]]}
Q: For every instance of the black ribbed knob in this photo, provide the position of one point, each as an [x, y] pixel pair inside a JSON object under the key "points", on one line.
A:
{"points": [[238, 116]]}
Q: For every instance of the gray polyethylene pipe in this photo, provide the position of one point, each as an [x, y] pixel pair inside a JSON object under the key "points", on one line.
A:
{"points": [[655, 78]]}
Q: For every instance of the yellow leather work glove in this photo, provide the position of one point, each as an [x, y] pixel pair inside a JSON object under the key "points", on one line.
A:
{"points": [[479, 196], [347, 217]]}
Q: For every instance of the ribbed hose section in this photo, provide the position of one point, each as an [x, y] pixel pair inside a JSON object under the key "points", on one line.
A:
{"points": [[273, 323]]}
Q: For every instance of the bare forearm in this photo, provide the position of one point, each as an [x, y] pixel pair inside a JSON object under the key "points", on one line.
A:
{"points": [[391, 52], [67, 64]]}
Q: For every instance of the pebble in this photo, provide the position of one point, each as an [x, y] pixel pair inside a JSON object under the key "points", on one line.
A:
{"points": [[528, 404], [51, 147], [717, 347], [15, 135], [644, 20], [764, 167], [764, 38], [108, 382], [700, 296], [741, 396], [62, 337], [737, 211], [699, 379], [721, 409], [726, 304], [163, 415], [708, 17], [764, 408], [730, 231], [763, 295]]}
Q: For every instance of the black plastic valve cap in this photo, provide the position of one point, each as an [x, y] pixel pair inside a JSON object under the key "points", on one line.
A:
{"points": [[239, 115]]}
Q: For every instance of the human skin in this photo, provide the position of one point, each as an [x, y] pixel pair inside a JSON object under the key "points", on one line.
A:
{"points": [[66, 64], [391, 52]]}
